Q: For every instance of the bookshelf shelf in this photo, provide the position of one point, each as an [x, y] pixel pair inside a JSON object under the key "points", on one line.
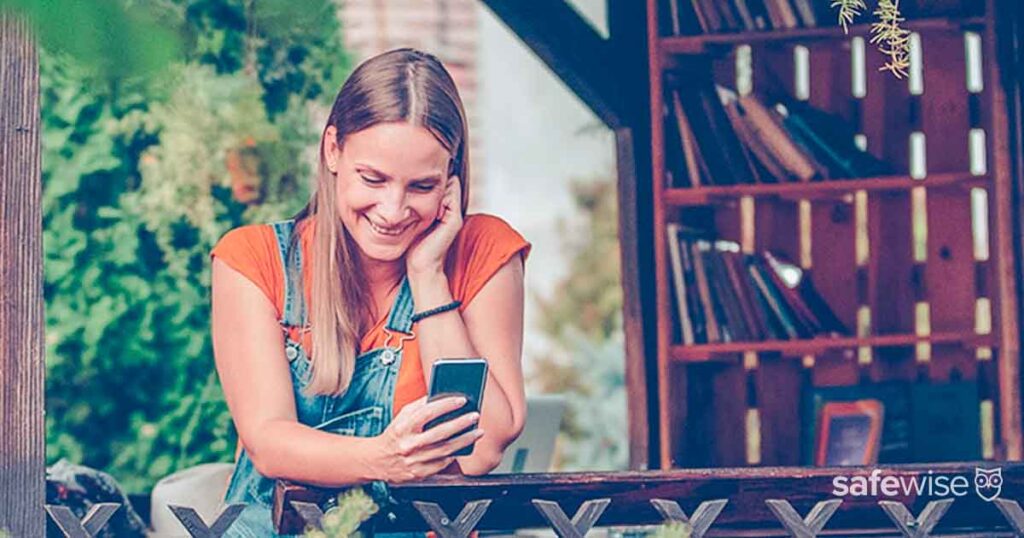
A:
{"points": [[682, 197], [814, 346], [699, 44]]}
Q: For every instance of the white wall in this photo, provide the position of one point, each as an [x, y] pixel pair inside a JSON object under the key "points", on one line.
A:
{"points": [[537, 137]]}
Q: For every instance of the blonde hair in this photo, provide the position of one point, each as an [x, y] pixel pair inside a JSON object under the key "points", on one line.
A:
{"points": [[403, 85]]}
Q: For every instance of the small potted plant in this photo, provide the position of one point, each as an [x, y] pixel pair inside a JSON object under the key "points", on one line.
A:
{"points": [[343, 520]]}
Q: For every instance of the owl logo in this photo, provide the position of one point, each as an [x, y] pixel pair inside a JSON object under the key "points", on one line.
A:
{"points": [[988, 483]]}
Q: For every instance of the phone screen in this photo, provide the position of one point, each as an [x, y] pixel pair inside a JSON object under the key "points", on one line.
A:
{"points": [[465, 377]]}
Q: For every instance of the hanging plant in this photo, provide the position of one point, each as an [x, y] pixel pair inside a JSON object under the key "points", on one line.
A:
{"points": [[886, 32]]}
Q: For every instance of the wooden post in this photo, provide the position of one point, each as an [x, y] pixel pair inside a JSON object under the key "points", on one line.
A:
{"points": [[22, 445]]}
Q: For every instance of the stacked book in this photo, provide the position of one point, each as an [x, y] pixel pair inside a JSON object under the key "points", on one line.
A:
{"points": [[690, 17], [723, 295], [715, 137]]}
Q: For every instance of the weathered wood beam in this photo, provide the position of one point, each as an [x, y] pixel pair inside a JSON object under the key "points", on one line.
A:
{"points": [[627, 25], [573, 50], [22, 445], [746, 490]]}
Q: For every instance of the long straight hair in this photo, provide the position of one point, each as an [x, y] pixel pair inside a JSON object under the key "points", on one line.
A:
{"points": [[403, 85]]}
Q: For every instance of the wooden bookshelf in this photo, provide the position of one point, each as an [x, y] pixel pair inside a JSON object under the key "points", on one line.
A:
{"points": [[818, 189], [921, 262], [701, 44], [814, 346]]}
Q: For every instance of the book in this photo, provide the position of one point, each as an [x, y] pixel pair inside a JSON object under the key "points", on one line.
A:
{"points": [[793, 299], [711, 16], [737, 279], [833, 137], [676, 173], [791, 324], [693, 302], [674, 17], [786, 13], [727, 330], [746, 16], [684, 19], [764, 127], [806, 13], [727, 295], [774, 16], [710, 150], [766, 168], [675, 258], [849, 433], [688, 143], [704, 292], [724, 135], [810, 301], [730, 19], [760, 14]]}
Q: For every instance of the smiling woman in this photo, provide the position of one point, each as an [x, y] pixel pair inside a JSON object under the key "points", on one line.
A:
{"points": [[316, 341]]}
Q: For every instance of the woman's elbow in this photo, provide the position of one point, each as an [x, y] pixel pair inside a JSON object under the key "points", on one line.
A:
{"points": [[481, 462], [263, 460], [265, 466]]}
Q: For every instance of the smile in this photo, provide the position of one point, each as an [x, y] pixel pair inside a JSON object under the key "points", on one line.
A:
{"points": [[388, 231]]}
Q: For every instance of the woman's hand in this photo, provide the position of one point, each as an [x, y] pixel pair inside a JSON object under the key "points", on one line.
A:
{"points": [[408, 453], [427, 254]]}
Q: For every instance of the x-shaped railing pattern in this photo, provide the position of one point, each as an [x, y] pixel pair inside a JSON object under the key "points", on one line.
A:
{"points": [[588, 514]]}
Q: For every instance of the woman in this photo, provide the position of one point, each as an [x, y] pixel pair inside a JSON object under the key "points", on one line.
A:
{"points": [[325, 326]]}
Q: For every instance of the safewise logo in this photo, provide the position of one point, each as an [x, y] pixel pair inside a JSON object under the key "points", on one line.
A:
{"points": [[987, 484]]}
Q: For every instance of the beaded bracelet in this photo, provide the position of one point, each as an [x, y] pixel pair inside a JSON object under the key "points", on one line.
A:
{"points": [[433, 311]]}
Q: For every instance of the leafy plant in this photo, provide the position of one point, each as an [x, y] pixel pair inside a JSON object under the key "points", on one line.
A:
{"points": [[887, 33], [674, 529], [96, 33], [892, 40], [343, 520], [136, 190]]}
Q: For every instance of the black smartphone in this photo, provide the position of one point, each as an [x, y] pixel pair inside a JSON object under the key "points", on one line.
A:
{"points": [[455, 377]]}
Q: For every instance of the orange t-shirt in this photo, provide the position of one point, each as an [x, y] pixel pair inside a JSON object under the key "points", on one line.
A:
{"points": [[483, 245]]}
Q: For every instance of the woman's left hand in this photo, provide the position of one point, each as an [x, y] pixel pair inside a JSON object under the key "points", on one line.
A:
{"points": [[428, 252]]}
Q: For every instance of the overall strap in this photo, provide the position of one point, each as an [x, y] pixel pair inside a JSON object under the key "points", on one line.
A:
{"points": [[400, 318], [294, 311]]}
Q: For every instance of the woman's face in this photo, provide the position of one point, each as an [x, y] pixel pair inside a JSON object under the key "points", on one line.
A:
{"points": [[390, 182]]}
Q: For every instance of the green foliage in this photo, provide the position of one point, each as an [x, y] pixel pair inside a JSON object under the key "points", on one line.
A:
{"points": [[343, 520], [887, 31], [590, 298], [584, 320], [675, 529], [291, 48], [108, 37], [136, 191]]}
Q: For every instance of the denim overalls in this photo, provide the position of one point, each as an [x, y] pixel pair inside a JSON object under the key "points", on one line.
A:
{"points": [[364, 410]]}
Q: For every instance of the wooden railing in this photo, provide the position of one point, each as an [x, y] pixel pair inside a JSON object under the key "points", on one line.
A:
{"points": [[765, 501]]}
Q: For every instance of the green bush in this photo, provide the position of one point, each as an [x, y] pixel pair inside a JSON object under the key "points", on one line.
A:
{"points": [[135, 193]]}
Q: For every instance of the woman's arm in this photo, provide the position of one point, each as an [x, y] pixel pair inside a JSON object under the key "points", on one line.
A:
{"points": [[248, 347], [492, 327]]}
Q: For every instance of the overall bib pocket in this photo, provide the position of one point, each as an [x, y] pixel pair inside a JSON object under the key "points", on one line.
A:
{"points": [[360, 423]]}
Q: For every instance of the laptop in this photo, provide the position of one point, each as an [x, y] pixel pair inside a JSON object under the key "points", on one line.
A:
{"points": [[534, 450]]}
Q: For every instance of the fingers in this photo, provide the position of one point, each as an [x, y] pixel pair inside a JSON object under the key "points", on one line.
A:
{"points": [[431, 410], [452, 445], [445, 430]]}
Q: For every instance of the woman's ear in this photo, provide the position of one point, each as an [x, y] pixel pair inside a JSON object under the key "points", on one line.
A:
{"points": [[332, 153]]}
